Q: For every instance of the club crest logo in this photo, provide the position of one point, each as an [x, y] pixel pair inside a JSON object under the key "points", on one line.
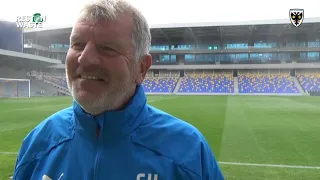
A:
{"points": [[296, 16]]}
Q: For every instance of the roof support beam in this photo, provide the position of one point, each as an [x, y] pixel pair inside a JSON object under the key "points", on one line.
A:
{"points": [[221, 30], [165, 36], [252, 30], [194, 38]]}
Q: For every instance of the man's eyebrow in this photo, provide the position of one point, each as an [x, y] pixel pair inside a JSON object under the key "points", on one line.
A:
{"points": [[75, 37]]}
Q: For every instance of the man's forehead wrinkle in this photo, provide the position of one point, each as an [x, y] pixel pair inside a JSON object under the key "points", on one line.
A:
{"points": [[124, 21], [116, 33], [82, 31]]}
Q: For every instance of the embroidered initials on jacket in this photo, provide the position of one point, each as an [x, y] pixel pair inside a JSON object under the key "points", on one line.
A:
{"points": [[143, 176]]}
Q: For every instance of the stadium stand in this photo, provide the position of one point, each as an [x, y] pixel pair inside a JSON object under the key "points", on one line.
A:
{"points": [[221, 82], [150, 84], [59, 80], [159, 84], [266, 83], [310, 81], [207, 83], [15, 83]]}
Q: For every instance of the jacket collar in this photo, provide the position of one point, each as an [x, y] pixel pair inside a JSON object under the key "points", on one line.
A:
{"points": [[119, 121]]}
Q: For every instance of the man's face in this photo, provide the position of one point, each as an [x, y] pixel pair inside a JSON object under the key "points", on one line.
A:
{"points": [[101, 68]]}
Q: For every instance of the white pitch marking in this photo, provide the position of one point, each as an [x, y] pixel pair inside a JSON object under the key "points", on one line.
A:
{"points": [[270, 165], [9, 153], [161, 98]]}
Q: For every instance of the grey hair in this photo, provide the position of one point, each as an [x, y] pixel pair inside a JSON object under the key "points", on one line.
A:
{"points": [[110, 10]]}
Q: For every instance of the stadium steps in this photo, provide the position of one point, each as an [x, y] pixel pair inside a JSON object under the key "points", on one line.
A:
{"points": [[236, 85], [295, 80], [38, 85], [59, 88], [176, 88]]}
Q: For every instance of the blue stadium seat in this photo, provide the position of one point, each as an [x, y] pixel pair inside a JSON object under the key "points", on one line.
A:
{"points": [[309, 81], [159, 84], [207, 83], [266, 83], [150, 84]]}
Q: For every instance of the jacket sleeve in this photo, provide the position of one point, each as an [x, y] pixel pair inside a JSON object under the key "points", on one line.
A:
{"points": [[26, 159], [203, 167], [210, 166], [20, 171]]}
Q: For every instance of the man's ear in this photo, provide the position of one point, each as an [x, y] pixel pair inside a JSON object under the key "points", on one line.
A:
{"points": [[143, 66]]}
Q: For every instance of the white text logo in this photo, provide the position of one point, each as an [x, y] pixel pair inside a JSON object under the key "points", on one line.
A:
{"points": [[143, 176], [35, 21]]}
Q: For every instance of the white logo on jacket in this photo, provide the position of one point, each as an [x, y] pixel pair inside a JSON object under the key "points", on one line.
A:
{"points": [[142, 176], [45, 177]]}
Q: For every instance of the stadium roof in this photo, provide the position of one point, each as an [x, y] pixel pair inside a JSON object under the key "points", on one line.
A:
{"points": [[17, 59], [202, 24]]}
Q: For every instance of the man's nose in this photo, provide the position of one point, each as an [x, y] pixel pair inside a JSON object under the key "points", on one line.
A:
{"points": [[89, 56]]}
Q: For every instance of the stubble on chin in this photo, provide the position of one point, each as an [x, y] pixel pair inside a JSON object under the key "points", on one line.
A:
{"points": [[108, 100]]}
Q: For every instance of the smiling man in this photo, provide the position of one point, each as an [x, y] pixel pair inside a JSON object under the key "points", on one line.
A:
{"points": [[110, 132]]}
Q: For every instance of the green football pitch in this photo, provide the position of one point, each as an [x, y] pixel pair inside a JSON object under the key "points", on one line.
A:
{"points": [[253, 137]]}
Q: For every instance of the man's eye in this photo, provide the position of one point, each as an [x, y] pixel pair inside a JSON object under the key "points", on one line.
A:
{"points": [[108, 51], [105, 48]]}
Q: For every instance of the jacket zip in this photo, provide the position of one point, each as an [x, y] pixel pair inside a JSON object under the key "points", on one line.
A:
{"points": [[96, 166]]}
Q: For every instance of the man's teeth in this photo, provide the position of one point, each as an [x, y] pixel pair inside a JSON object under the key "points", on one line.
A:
{"points": [[90, 77]]}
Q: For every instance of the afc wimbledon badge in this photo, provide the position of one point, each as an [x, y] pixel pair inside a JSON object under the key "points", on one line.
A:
{"points": [[296, 16]]}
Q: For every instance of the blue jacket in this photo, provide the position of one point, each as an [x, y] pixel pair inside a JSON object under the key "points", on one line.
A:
{"points": [[137, 143]]}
